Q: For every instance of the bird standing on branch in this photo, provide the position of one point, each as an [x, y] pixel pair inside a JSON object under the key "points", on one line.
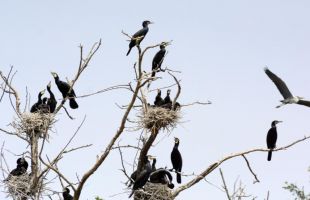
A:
{"points": [[66, 194], [272, 138], [64, 89], [287, 95], [176, 159], [137, 38]]}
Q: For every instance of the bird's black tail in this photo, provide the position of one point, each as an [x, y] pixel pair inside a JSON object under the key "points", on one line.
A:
{"points": [[128, 51], [179, 177], [73, 103], [269, 155]]}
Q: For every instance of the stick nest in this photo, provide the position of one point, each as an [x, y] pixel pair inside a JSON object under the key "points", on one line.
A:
{"points": [[18, 187], [158, 117], [154, 191], [34, 123]]}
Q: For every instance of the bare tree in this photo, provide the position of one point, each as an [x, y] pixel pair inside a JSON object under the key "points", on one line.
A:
{"points": [[34, 128]]}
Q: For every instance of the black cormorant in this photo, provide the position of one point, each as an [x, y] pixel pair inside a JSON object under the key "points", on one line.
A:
{"points": [[64, 89], [162, 176], [137, 38], [272, 138], [158, 59], [167, 98], [51, 102], [66, 194], [43, 107], [142, 176], [158, 100], [176, 159], [287, 95], [21, 168], [34, 107]]}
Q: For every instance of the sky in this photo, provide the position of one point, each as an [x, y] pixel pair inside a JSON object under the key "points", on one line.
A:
{"points": [[221, 48]]}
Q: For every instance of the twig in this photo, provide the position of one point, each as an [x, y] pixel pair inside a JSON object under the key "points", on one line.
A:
{"points": [[248, 164], [224, 185]]}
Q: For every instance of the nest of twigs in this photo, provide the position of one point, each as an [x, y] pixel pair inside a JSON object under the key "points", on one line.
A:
{"points": [[18, 187], [158, 117], [34, 124], [154, 191]]}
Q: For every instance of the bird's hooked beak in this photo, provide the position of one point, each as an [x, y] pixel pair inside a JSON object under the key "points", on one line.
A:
{"points": [[151, 22], [151, 157], [277, 122], [42, 92], [49, 84], [54, 74], [300, 97]]}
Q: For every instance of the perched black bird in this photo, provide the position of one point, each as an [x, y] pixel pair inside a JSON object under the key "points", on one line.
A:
{"points": [[176, 159], [142, 176], [158, 59], [137, 38], [288, 97], [167, 99], [162, 176], [272, 138], [66, 194], [158, 100], [51, 102], [34, 107], [64, 89], [154, 165], [21, 168], [43, 107]]}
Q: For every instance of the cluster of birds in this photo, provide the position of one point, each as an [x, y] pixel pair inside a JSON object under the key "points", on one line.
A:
{"points": [[288, 98], [166, 102], [48, 105], [159, 176], [21, 168]]}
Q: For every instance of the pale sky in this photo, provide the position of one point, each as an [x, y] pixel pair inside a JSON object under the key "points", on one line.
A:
{"points": [[221, 47]]}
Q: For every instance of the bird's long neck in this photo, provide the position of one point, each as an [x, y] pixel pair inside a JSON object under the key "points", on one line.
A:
{"points": [[176, 145], [50, 92], [40, 97]]}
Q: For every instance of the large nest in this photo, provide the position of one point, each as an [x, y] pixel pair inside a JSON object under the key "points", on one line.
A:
{"points": [[33, 123], [18, 187], [158, 117], [154, 191]]}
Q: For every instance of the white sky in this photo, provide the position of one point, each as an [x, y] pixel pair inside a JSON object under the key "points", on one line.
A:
{"points": [[221, 48]]}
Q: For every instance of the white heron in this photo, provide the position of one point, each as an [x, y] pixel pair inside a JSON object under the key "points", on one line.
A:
{"points": [[288, 98]]}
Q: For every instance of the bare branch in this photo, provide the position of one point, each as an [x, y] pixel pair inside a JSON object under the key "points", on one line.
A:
{"points": [[248, 164], [224, 185], [218, 163]]}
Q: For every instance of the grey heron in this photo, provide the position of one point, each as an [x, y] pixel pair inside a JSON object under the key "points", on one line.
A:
{"points": [[288, 98]]}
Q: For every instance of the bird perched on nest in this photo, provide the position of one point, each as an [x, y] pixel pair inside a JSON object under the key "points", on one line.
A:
{"points": [[66, 194], [137, 38], [161, 175], [64, 89], [51, 102], [143, 175], [283, 89], [21, 168], [176, 159], [44, 108], [168, 103], [158, 100], [272, 136], [34, 107]]}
